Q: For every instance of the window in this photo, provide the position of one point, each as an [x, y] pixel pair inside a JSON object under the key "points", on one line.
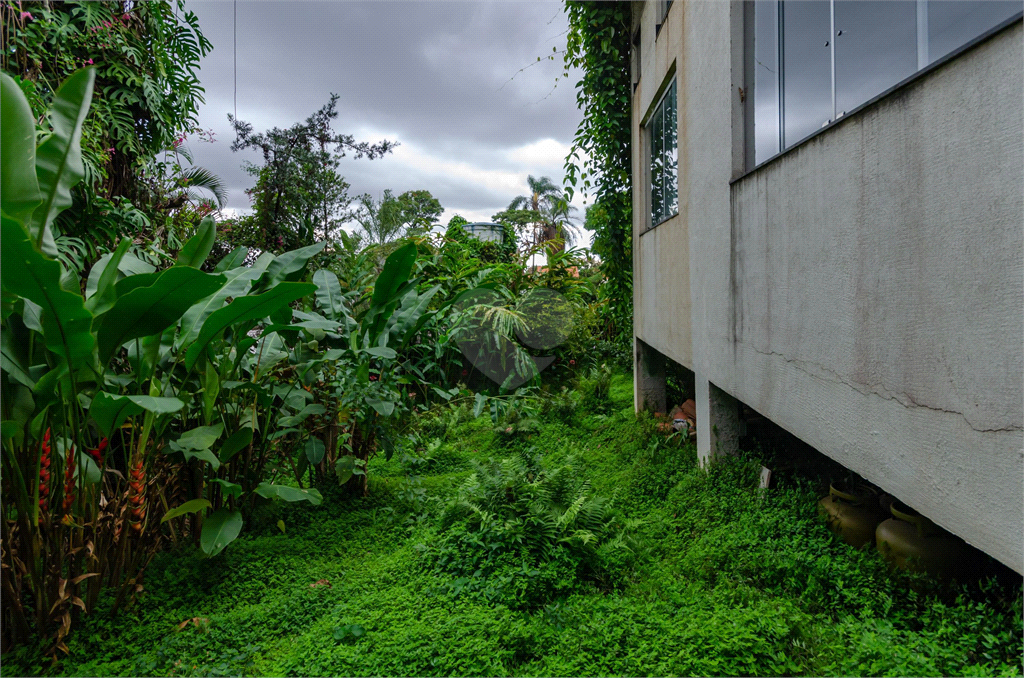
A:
{"points": [[816, 60], [662, 146], [663, 6]]}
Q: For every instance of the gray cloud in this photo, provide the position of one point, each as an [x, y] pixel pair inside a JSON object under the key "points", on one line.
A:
{"points": [[434, 76]]}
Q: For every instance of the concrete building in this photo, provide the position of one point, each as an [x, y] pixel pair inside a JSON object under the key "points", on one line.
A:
{"points": [[829, 229]]}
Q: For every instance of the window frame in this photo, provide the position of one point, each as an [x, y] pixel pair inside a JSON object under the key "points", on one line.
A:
{"points": [[669, 86]]}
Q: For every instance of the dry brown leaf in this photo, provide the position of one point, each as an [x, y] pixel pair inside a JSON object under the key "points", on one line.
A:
{"points": [[320, 582], [195, 621]]}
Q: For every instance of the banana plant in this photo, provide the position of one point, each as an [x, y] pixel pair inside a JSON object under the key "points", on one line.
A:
{"points": [[100, 387]]}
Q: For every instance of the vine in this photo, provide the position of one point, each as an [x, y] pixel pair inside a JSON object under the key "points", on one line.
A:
{"points": [[598, 43]]}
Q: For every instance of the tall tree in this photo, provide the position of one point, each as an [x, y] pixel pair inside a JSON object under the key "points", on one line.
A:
{"points": [[554, 217], [390, 218], [299, 196]]}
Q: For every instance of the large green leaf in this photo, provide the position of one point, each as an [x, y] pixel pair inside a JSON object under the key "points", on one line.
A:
{"points": [[14, 359], [99, 288], [395, 273], [411, 317], [234, 258], [200, 438], [238, 440], [328, 293], [66, 322], [289, 494], [150, 310], [238, 282], [19, 188], [132, 265], [315, 450], [59, 158], [245, 309], [198, 247], [288, 263], [203, 455], [220, 529], [307, 411], [110, 411], [193, 506]]}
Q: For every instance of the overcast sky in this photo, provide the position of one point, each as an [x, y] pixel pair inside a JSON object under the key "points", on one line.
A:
{"points": [[434, 76]]}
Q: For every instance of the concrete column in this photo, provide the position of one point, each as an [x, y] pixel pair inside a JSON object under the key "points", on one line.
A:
{"points": [[718, 421], [648, 378]]}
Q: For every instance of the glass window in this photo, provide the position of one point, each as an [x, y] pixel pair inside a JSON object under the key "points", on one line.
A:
{"points": [[876, 47], [951, 24], [662, 142], [766, 80], [806, 68], [815, 60]]}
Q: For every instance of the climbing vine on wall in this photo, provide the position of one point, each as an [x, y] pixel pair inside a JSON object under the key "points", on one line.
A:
{"points": [[598, 43]]}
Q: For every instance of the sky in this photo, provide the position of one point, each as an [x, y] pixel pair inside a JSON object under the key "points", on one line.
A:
{"points": [[443, 79]]}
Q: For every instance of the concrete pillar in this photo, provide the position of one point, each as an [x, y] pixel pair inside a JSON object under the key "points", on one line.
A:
{"points": [[718, 421], [648, 378]]}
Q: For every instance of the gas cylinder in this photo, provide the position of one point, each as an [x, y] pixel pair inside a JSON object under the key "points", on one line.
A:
{"points": [[912, 542], [851, 512]]}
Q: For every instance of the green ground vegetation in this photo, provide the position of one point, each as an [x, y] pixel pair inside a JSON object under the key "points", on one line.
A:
{"points": [[572, 539]]}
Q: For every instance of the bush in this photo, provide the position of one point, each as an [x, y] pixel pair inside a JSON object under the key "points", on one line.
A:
{"points": [[521, 535]]}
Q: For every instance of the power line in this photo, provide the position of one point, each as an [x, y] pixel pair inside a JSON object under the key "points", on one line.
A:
{"points": [[235, 45]]}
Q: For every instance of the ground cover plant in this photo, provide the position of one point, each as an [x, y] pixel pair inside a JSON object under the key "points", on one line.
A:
{"points": [[686, 572]]}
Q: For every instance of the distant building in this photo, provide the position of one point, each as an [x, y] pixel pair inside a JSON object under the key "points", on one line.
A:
{"points": [[828, 215], [486, 231]]}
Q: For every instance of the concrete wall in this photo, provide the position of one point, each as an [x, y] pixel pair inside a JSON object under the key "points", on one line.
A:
{"points": [[865, 291], [661, 256]]}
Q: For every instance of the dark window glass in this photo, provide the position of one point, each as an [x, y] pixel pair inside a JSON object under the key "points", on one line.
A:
{"points": [[876, 43], [766, 80], [876, 47], [953, 23], [807, 67]]}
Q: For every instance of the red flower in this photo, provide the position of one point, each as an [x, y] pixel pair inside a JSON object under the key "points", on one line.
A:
{"points": [[572, 362], [69, 479], [465, 372]]}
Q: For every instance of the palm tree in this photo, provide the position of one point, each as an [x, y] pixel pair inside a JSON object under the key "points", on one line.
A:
{"points": [[555, 216], [541, 192]]}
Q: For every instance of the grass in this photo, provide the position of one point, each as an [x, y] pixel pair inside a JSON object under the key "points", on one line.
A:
{"points": [[722, 579]]}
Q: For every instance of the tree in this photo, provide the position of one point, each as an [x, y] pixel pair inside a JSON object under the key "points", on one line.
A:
{"points": [[299, 196], [391, 217], [553, 216], [420, 211]]}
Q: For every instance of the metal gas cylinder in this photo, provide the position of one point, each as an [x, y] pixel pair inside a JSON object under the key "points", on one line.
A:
{"points": [[852, 513], [912, 542]]}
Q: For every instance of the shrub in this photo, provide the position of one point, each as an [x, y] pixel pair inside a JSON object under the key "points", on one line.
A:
{"points": [[522, 535]]}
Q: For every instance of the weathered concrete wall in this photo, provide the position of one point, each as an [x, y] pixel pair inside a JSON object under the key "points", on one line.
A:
{"points": [[878, 295], [864, 291], [661, 256]]}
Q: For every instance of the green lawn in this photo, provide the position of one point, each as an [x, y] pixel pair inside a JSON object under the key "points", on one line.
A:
{"points": [[725, 580]]}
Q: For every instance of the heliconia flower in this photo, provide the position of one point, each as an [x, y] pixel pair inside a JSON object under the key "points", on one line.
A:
{"points": [[137, 498], [69, 480]]}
